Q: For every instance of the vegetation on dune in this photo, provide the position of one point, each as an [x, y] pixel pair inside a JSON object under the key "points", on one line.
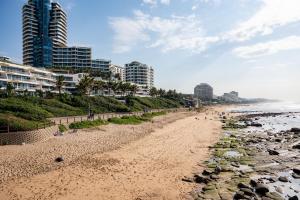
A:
{"points": [[87, 124], [13, 123], [24, 110], [135, 119]]}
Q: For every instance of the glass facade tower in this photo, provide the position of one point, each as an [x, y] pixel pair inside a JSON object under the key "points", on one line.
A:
{"points": [[37, 43]]}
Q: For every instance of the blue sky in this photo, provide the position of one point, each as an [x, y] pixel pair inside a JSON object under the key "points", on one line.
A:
{"points": [[251, 46]]}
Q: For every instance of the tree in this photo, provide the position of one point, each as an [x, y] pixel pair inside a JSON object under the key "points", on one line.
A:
{"points": [[115, 87], [9, 89], [133, 89], [161, 92], [85, 85], [60, 84], [153, 92], [124, 87], [98, 85]]}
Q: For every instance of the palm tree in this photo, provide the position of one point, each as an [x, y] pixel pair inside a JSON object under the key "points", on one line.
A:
{"points": [[85, 85], [133, 89], [60, 83], [98, 85], [9, 89], [161, 92], [115, 87], [153, 92]]}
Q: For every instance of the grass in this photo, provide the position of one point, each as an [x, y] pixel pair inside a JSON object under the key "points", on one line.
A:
{"points": [[19, 124], [87, 124], [29, 112], [134, 120]]}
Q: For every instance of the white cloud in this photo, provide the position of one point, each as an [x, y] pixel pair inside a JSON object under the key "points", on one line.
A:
{"points": [[168, 34], [150, 2], [272, 14], [268, 48], [155, 2]]}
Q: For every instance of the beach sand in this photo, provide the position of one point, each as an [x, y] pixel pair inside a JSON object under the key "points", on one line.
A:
{"points": [[145, 161]]}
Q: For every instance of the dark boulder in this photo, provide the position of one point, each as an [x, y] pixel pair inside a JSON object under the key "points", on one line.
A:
{"points": [[242, 185], [295, 130], [256, 124], [293, 198], [261, 189], [248, 192], [253, 183], [59, 159], [207, 172], [296, 170], [273, 152], [296, 146], [218, 170], [295, 176], [201, 179]]}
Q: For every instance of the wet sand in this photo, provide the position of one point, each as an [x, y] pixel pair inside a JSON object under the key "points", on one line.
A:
{"points": [[148, 164]]}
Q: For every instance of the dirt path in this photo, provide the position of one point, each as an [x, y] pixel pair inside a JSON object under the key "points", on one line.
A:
{"points": [[150, 168]]}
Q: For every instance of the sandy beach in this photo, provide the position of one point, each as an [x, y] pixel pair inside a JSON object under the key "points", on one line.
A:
{"points": [[146, 161]]}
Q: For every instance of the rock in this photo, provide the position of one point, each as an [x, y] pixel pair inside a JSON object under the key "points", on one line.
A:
{"points": [[248, 192], [214, 177], [261, 189], [273, 152], [207, 172], [234, 164], [296, 146], [253, 183], [256, 124], [296, 170], [278, 140], [274, 196], [295, 176], [239, 195], [242, 185], [293, 198], [295, 130], [187, 179], [59, 159], [283, 179], [279, 190], [218, 170], [201, 179]]}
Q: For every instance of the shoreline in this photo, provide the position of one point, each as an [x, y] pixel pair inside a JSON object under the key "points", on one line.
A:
{"points": [[149, 165], [253, 163]]}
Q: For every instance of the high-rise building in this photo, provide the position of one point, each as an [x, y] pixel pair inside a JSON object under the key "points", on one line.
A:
{"points": [[75, 57], [45, 37], [58, 26], [37, 43], [101, 65], [140, 74], [204, 92]]}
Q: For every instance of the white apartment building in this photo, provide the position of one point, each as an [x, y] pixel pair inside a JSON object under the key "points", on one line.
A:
{"points": [[141, 75], [32, 79], [116, 69], [26, 77]]}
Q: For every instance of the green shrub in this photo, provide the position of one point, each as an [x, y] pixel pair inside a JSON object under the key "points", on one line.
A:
{"points": [[127, 120], [62, 128], [87, 124]]}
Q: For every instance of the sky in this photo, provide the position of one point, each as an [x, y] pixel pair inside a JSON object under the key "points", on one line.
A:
{"points": [[250, 46]]}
